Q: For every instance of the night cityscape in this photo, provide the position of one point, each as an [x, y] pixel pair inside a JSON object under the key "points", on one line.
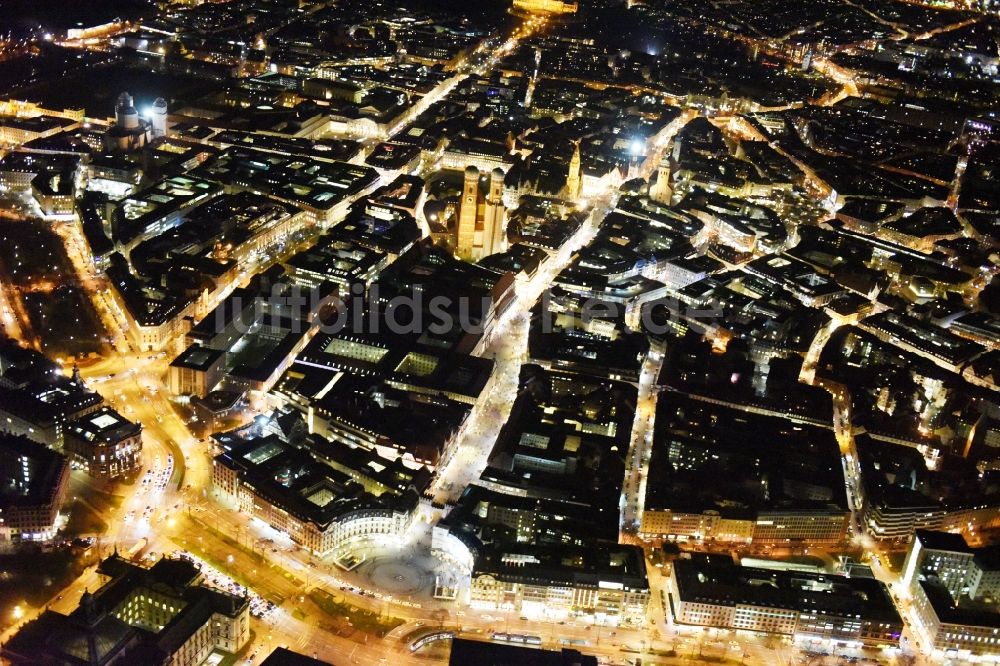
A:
{"points": [[555, 332]]}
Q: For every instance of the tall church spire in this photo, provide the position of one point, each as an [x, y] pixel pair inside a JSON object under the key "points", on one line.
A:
{"points": [[495, 219], [574, 184], [467, 211]]}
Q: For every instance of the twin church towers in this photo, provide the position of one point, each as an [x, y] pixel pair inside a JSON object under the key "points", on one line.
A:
{"points": [[482, 218]]}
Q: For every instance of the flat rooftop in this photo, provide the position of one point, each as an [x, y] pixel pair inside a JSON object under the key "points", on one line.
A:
{"points": [[104, 425], [718, 581], [29, 472]]}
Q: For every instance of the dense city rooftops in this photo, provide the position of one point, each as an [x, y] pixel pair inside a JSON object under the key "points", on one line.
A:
{"points": [[150, 210], [380, 228], [293, 479], [712, 457], [494, 289], [36, 398], [927, 340], [318, 185], [99, 630]]}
